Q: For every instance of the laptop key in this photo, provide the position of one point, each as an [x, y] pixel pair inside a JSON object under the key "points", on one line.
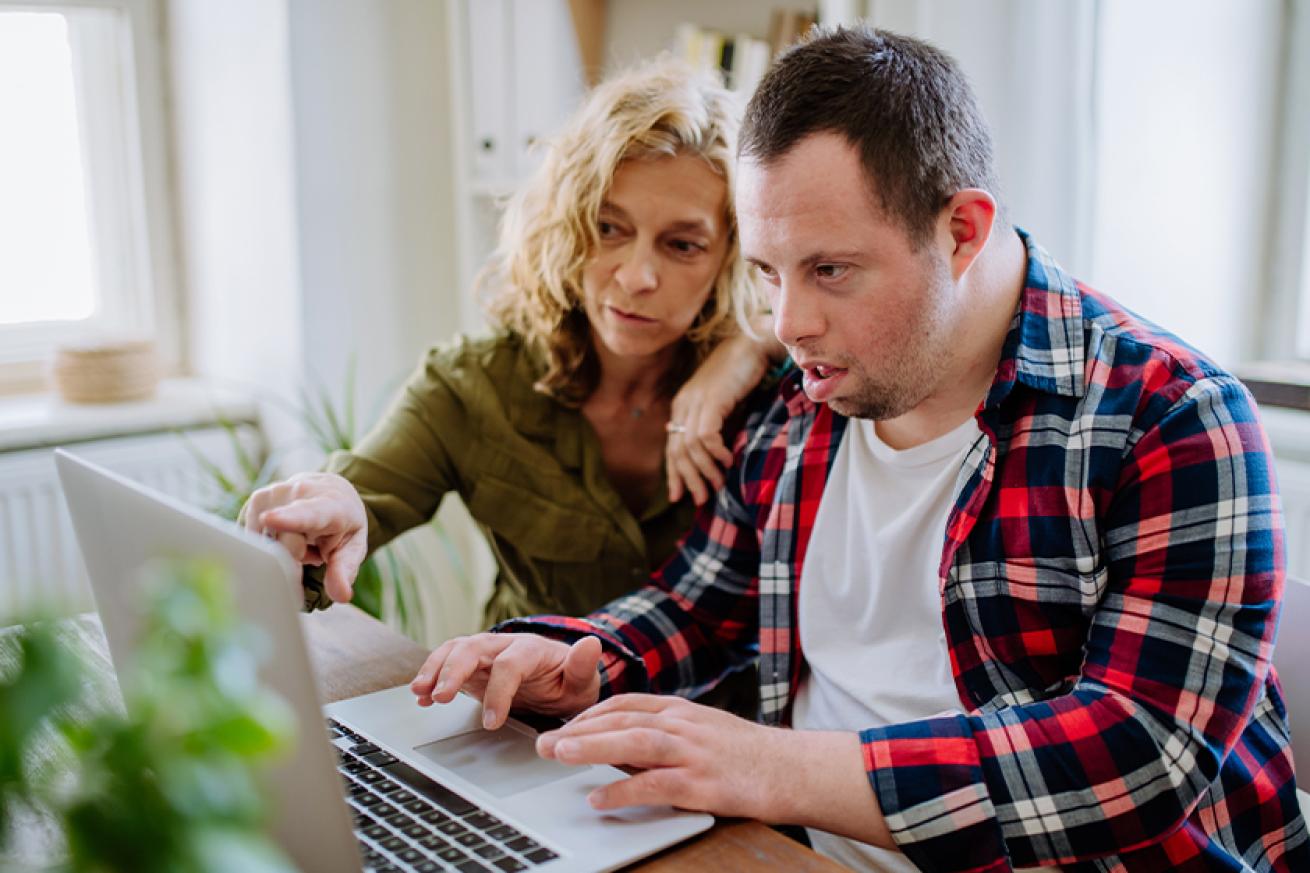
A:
{"points": [[426, 867], [470, 840], [376, 832], [434, 816], [400, 798], [380, 759], [451, 828], [502, 832], [372, 776], [488, 851], [416, 806], [363, 749], [522, 844], [432, 790], [510, 865], [409, 856], [367, 799], [382, 810], [471, 866], [450, 853], [414, 831], [398, 820], [392, 844], [481, 820], [541, 856]]}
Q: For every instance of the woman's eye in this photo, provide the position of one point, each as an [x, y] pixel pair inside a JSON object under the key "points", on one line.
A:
{"points": [[606, 228], [686, 247], [766, 272]]}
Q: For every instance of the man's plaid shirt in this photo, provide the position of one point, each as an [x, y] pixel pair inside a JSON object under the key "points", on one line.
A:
{"points": [[1110, 581]]}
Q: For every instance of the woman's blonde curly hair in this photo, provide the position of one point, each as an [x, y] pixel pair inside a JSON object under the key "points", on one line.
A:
{"points": [[549, 229]]}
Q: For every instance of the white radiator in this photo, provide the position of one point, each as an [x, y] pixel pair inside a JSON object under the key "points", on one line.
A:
{"points": [[40, 565]]}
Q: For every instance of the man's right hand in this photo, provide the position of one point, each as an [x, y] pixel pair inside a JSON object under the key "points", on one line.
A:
{"points": [[320, 519], [512, 670]]}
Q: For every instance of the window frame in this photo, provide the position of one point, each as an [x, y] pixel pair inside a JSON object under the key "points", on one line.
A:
{"points": [[128, 163], [1283, 329]]}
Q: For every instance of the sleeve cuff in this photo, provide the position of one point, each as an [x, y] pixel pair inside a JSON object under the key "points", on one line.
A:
{"points": [[312, 583], [928, 779]]}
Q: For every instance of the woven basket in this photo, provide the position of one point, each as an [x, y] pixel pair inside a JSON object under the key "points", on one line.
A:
{"points": [[106, 372]]}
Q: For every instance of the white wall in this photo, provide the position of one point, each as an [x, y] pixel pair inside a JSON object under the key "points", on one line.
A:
{"points": [[373, 170], [314, 177], [1187, 104], [238, 221]]}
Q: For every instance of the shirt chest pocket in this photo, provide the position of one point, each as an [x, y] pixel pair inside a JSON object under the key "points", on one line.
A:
{"points": [[534, 524]]}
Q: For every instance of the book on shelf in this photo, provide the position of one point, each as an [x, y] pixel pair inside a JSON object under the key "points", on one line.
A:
{"points": [[740, 59]]}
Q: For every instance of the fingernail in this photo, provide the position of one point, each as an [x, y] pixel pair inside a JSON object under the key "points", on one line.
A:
{"points": [[441, 686], [596, 798], [488, 718], [566, 749]]}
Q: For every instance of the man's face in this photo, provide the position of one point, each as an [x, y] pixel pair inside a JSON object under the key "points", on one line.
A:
{"points": [[865, 316]]}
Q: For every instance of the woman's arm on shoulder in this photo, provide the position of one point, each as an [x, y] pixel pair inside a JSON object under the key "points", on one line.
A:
{"points": [[695, 451]]}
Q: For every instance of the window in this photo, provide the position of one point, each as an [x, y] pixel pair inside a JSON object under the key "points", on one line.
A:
{"points": [[83, 229], [1289, 325]]}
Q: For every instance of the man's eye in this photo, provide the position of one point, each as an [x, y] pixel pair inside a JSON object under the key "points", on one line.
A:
{"points": [[831, 271]]}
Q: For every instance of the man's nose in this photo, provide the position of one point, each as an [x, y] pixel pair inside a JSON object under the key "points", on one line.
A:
{"points": [[639, 270], [796, 315]]}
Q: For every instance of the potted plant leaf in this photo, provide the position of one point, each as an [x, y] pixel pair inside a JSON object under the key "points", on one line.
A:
{"points": [[165, 779]]}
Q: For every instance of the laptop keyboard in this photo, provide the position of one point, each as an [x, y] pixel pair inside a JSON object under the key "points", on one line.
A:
{"points": [[407, 821]]}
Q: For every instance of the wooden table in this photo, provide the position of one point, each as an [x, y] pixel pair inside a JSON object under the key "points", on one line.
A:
{"points": [[354, 654]]}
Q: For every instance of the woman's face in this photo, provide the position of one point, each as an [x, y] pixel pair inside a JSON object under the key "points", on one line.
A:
{"points": [[663, 236]]}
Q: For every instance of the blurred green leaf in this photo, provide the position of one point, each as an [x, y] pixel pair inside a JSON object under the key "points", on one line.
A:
{"points": [[172, 785]]}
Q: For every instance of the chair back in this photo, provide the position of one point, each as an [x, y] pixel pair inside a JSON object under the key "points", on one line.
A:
{"points": [[1292, 661]]}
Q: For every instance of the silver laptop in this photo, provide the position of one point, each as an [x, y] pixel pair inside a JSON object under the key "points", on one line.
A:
{"points": [[424, 789]]}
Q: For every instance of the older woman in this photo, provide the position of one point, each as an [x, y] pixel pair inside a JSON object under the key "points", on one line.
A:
{"points": [[616, 276]]}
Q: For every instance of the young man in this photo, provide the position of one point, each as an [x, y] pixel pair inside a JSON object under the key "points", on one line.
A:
{"points": [[1039, 538]]}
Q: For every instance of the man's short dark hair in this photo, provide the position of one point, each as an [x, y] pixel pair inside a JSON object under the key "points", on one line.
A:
{"points": [[905, 105]]}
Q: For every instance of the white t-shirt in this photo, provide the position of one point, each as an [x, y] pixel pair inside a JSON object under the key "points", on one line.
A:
{"points": [[870, 610]]}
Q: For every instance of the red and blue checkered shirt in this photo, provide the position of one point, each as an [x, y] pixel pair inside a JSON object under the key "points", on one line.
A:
{"points": [[1110, 579]]}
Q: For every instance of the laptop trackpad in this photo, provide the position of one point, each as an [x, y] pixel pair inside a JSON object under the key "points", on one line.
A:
{"points": [[502, 762]]}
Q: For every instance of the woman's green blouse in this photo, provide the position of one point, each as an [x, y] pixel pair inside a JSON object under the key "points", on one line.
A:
{"points": [[530, 472]]}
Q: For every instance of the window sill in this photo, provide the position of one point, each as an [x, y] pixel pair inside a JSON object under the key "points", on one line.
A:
{"points": [[1284, 384], [44, 420]]}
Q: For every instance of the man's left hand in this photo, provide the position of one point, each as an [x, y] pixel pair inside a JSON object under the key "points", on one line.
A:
{"points": [[692, 756], [696, 757]]}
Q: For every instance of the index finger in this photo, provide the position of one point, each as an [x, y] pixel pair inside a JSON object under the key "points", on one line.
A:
{"points": [[311, 516], [465, 653]]}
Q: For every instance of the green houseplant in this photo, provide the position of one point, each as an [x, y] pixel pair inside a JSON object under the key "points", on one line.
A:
{"points": [[168, 781]]}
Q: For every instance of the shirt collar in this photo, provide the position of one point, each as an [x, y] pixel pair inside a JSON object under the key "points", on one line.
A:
{"points": [[1044, 347]]}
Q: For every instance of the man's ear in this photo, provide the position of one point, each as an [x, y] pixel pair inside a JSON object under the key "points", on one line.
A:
{"points": [[969, 217]]}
